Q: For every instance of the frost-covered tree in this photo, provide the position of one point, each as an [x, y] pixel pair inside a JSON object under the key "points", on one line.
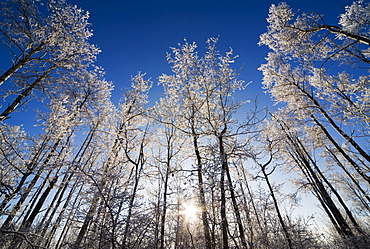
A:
{"points": [[116, 177], [42, 47], [318, 74], [49, 158], [169, 148], [14, 148], [202, 92], [182, 90]]}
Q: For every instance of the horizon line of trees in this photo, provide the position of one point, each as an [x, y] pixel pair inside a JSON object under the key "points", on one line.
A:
{"points": [[101, 175]]}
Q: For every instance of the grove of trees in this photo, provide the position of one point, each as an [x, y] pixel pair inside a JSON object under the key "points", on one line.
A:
{"points": [[194, 170]]}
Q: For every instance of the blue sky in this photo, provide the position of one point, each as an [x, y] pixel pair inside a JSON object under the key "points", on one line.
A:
{"points": [[135, 35]]}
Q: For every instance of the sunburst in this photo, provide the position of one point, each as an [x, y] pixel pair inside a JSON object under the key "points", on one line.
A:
{"points": [[190, 211]]}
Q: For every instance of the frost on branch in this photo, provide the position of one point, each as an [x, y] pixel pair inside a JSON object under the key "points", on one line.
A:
{"points": [[356, 19]]}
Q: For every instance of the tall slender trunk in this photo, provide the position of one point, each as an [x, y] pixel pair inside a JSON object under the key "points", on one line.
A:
{"points": [[27, 58], [94, 204], [60, 216], [225, 170], [89, 217], [165, 187], [158, 214], [113, 153], [333, 190], [272, 192], [28, 190], [304, 160], [224, 225], [35, 198], [234, 202], [247, 212], [11, 108], [64, 186], [25, 226], [354, 181], [138, 165], [343, 153], [334, 125], [324, 198], [343, 228], [138, 169], [202, 197], [9, 197], [27, 223], [55, 203], [29, 170]]}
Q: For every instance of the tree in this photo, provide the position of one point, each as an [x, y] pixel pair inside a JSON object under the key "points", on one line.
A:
{"points": [[47, 159], [42, 48], [51, 59], [202, 89], [169, 149], [307, 73], [122, 152], [265, 175], [182, 90]]}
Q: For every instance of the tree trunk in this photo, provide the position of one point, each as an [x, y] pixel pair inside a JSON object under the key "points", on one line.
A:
{"points": [[354, 181], [235, 206], [163, 217], [224, 224], [344, 154], [339, 198], [272, 192], [334, 125], [89, 217], [27, 58], [4, 115], [60, 216], [25, 194], [27, 224], [138, 169], [202, 197], [30, 168], [344, 229]]}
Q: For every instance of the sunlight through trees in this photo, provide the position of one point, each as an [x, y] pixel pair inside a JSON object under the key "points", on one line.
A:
{"points": [[190, 212], [200, 167]]}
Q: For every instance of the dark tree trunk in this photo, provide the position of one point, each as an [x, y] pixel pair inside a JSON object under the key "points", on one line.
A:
{"points": [[202, 197], [4, 115]]}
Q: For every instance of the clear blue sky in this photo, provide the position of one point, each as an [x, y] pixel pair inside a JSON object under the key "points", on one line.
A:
{"points": [[135, 35]]}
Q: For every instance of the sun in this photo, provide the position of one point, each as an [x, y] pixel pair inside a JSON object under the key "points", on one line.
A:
{"points": [[190, 211]]}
